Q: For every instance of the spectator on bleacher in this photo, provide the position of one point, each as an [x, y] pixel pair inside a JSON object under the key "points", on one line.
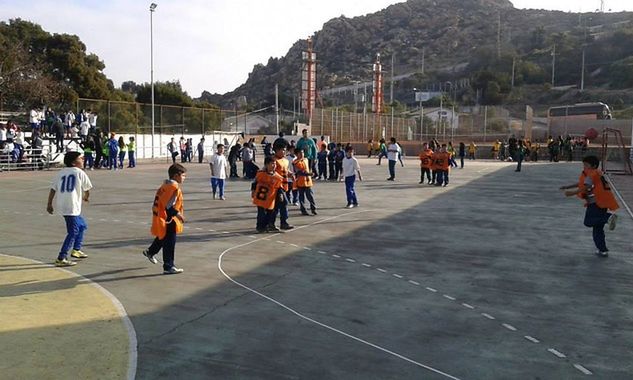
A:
{"points": [[41, 116], [97, 136], [10, 150], [34, 120], [49, 123], [37, 144], [18, 141], [69, 120], [3, 133], [58, 129], [92, 120]]}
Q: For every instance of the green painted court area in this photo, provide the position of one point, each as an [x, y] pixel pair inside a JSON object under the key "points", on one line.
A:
{"points": [[492, 277]]}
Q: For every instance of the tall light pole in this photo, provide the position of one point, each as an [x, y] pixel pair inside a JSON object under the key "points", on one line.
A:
{"points": [[418, 95], [152, 8]]}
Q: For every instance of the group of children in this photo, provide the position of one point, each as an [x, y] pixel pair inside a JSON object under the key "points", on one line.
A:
{"points": [[283, 176], [110, 152], [273, 186], [434, 165]]}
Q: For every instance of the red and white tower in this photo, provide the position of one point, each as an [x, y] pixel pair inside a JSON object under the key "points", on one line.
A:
{"points": [[377, 97], [308, 82]]}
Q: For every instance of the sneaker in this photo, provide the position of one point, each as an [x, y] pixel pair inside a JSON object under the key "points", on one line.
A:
{"points": [[349, 206], [355, 204], [78, 254], [287, 226], [64, 263], [151, 258], [214, 196], [272, 228], [304, 213], [314, 212], [602, 254], [173, 270], [261, 230], [222, 198], [390, 179], [295, 203], [421, 182], [613, 219]]}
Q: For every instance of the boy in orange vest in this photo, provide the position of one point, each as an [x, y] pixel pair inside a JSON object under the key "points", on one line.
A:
{"points": [[265, 192], [426, 163], [281, 206], [441, 160], [595, 190], [303, 181], [167, 219]]}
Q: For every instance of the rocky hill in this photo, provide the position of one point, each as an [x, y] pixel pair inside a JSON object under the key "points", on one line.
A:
{"points": [[467, 36]]}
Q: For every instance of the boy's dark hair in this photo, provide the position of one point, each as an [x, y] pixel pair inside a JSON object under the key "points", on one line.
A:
{"points": [[592, 160], [279, 146], [268, 160], [220, 146], [300, 151], [176, 169], [70, 157], [349, 149]]}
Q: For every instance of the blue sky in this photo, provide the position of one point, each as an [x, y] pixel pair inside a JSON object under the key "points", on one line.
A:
{"points": [[207, 44]]}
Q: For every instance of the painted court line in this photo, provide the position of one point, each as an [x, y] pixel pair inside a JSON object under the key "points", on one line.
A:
{"points": [[557, 353], [350, 260], [325, 326], [431, 289], [396, 275], [414, 282], [337, 256], [322, 252], [532, 339], [583, 369], [129, 327], [488, 316], [381, 270], [307, 248], [294, 245], [281, 242], [449, 297], [366, 265], [468, 306], [509, 327]]}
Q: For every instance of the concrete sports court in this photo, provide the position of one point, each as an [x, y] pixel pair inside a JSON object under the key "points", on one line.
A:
{"points": [[492, 277]]}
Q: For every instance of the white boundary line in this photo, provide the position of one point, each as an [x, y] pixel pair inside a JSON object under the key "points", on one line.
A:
{"points": [[620, 196], [133, 343], [298, 314]]}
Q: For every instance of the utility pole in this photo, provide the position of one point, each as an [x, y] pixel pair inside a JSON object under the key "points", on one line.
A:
{"points": [[277, 106], [582, 71], [499, 36], [391, 95], [422, 67], [513, 66], [553, 64]]}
